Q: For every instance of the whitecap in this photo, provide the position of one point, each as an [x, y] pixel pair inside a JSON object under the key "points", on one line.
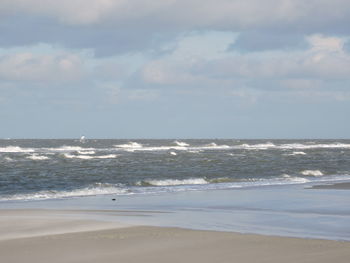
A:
{"points": [[15, 149], [130, 145], [260, 146], [312, 173], [37, 157], [173, 182], [295, 153], [86, 152], [213, 146], [182, 144], [173, 153], [89, 157], [69, 149]]}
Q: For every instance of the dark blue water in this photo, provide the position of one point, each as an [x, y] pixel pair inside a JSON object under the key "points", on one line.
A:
{"points": [[41, 169]]}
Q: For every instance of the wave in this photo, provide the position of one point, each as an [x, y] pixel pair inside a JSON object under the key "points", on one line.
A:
{"points": [[174, 185], [182, 144], [173, 182], [37, 157], [15, 149], [95, 189], [89, 157], [296, 153], [260, 146], [86, 152], [292, 146], [213, 146], [312, 173], [130, 145], [70, 149]]}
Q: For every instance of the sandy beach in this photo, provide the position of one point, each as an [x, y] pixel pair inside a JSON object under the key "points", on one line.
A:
{"points": [[54, 236]]}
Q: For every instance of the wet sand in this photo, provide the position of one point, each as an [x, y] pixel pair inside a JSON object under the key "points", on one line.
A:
{"points": [[55, 236], [336, 186]]}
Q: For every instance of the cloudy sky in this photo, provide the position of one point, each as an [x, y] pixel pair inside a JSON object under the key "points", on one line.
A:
{"points": [[175, 68]]}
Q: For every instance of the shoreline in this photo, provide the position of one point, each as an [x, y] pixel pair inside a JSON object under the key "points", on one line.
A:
{"points": [[334, 186], [56, 236]]}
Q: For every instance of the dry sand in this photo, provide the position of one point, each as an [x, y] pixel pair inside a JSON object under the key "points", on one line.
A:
{"points": [[39, 236]]}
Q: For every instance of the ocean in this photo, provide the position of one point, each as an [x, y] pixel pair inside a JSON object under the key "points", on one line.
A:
{"points": [[257, 186]]}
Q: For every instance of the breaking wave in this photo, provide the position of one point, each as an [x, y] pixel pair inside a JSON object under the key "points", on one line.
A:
{"points": [[130, 145], [172, 185], [89, 157], [70, 149], [182, 144], [171, 182], [37, 157], [95, 189], [292, 146], [312, 173], [15, 149], [296, 153]]}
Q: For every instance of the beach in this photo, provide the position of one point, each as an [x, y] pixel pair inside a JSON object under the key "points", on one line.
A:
{"points": [[171, 201], [48, 236]]}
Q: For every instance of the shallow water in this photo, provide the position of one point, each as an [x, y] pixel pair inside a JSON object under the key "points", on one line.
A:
{"points": [[289, 210]]}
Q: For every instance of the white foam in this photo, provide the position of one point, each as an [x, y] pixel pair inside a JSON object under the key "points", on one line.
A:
{"points": [[37, 157], [212, 146], [312, 173], [174, 182], [68, 148], [86, 152], [292, 146], [96, 189], [295, 153], [173, 153], [108, 156], [15, 149], [260, 146], [89, 157], [130, 145], [182, 144], [8, 159]]}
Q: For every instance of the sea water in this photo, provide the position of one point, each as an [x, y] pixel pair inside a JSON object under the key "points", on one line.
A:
{"points": [[250, 186]]}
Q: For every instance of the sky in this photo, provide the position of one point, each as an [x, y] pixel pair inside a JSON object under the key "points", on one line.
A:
{"points": [[175, 69]]}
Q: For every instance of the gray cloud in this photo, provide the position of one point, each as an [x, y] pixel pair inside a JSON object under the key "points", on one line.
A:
{"points": [[249, 41], [114, 27]]}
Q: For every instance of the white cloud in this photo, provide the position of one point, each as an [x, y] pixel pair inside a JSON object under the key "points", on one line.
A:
{"points": [[324, 43], [300, 72], [27, 66], [324, 59]]}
